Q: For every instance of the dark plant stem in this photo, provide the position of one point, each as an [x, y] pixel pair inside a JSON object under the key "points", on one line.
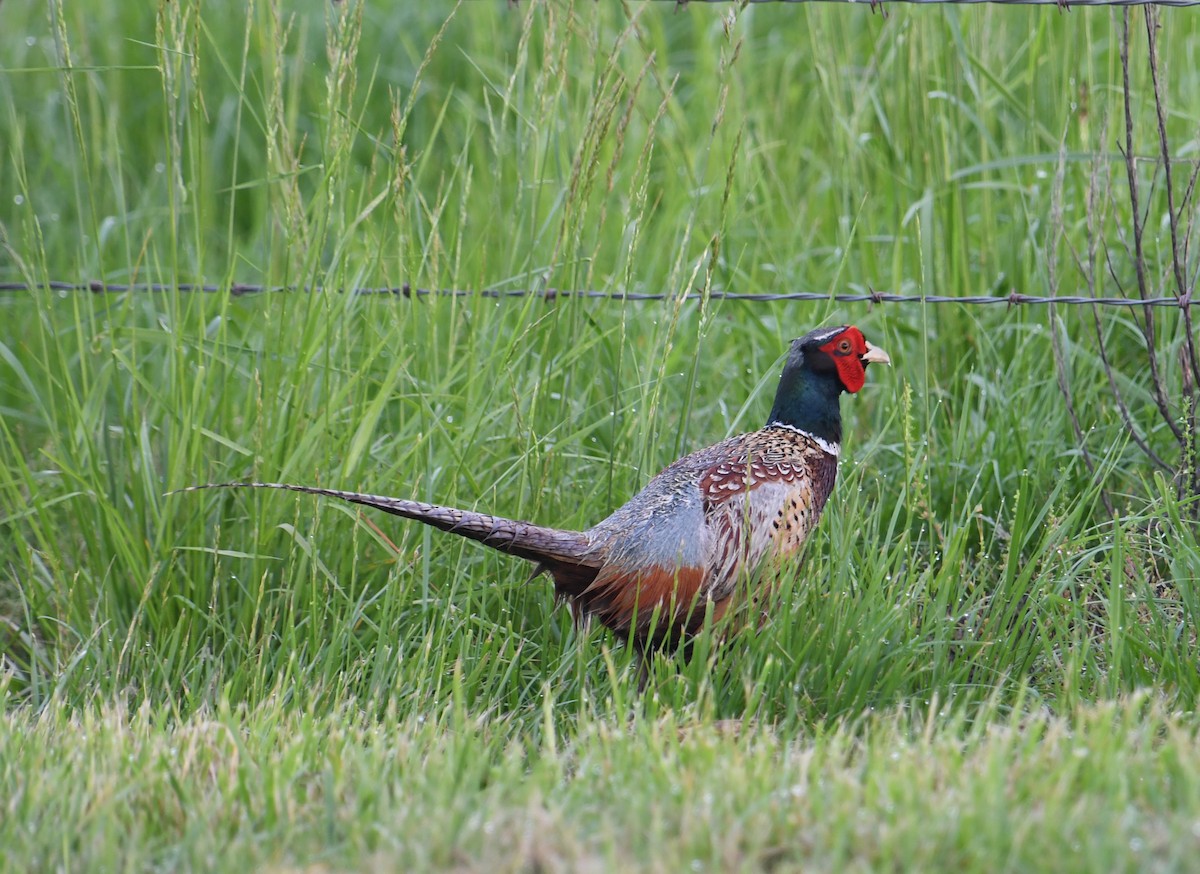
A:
{"points": [[1139, 254]]}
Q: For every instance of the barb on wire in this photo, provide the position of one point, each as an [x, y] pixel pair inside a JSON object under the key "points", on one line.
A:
{"points": [[550, 294]]}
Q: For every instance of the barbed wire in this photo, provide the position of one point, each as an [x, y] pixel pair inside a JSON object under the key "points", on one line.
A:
{"points": [[551, 294], [1062, 4]]}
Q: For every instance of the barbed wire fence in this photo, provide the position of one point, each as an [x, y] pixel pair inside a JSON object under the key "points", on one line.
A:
{"points": [[874, 4], [552, 294]]}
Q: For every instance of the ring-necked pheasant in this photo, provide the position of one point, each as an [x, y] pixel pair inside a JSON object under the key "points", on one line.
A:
{"points": [[649, 570]]}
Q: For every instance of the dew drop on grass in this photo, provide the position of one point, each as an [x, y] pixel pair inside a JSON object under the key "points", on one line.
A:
{"points": [[19, 199], [30, 41]]}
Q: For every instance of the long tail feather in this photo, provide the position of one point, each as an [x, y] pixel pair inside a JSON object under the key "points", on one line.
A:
{"points": [[556, 550]]}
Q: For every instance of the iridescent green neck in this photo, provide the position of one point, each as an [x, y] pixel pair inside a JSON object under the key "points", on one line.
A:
{"points": [[808, 400]]}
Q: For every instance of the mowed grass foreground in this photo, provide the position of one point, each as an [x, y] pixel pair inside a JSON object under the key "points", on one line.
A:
{"points": [[974, 668]]}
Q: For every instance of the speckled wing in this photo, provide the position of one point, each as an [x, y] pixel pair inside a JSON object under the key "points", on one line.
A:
{"points": [[761, 502], [685, 538]]}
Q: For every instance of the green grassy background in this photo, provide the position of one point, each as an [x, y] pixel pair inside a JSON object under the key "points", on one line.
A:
{"points": [[976, 667]]}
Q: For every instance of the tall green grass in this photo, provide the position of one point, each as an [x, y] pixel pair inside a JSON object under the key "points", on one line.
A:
{"points": [[966, 573]]}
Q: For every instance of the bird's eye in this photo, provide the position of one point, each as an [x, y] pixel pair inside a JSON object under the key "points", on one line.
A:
{"points": [[844, 346]]}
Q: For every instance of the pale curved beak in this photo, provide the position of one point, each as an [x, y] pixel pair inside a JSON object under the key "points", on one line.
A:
{"points": [[874, 355]]}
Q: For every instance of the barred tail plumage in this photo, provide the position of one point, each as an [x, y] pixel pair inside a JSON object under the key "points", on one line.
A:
{"points": [[563, 553]]}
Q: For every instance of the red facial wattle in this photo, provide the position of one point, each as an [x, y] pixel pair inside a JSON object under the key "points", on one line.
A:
{"points": [[846, 350]]}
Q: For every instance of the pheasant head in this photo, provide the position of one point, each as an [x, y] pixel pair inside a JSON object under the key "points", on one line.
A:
{"points": [[819, 367]]}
